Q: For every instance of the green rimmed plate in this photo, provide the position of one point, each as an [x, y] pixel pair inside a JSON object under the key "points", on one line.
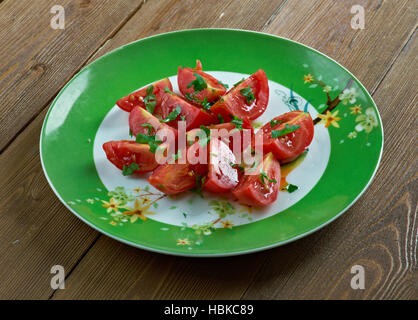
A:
{"points": [[348, 143]]}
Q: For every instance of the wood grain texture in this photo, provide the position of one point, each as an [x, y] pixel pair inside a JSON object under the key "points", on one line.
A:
{"points": [[36, 60], [180, 278], [326, 26], [160, 16], [35, 224], [36, 230], [379, 232]]}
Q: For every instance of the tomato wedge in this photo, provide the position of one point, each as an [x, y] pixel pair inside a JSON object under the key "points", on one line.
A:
{"points": [[124, 153], [211, 92], [247, 99], [132, 100], [174, 178], [193, 115], [222, 176], [287, 147], [262, 188], [141, 121]]}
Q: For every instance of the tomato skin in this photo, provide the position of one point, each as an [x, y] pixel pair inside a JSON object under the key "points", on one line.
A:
{"points": [[139, 116], [174, 178], [233, 102], [124, 153], [222, 176], [211, 93], [286, 148], [251, 191], [193, 115], [136, 98]]}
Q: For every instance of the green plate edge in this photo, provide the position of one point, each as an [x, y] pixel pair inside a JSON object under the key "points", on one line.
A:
{"points": [[214, 253]]}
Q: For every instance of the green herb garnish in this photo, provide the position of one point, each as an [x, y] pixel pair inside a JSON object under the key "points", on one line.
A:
{"points": [[203, 142], [173, 114], [238, 82], [150, 140], [149, 126], [286, 130], [263, 177], [291, 188], [274, 123], [220, 118], [128, 170], [149, 100], [177, 155], [199, 184], [198, 84], [224, 84], [248, 94], [237, 122]]}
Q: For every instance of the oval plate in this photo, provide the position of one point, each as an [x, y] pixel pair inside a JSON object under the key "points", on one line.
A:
{"points": [[347, 143]]}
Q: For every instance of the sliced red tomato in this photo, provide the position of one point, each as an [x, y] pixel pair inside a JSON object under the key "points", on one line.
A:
{"points": [[287, 147], [229, 135], [247, 99], [137, 98], [185, 77], [193, 115], [141, 121], [173, 178], [261, 188], [222, 176], [124, 153]]}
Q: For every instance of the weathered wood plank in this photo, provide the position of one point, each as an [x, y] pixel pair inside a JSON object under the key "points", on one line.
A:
{"points": [[379, 232], [169, 15], [177, 278], [31, 213], [326, 26], [36, 60], [36, 230]]}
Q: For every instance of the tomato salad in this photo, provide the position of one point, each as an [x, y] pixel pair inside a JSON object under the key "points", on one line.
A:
{"points": [[159, 119]]}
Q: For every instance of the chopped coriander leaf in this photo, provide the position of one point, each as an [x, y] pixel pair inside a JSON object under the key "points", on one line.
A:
{"points": [[150, 140], [237, 122], [199, 184], [177, 155], [166, 90], [291, 188], [128, 170], [204, 103], [248, 94], [263, 176], [220, 118], [173, 114], [183, 118], [149, 126], [149, 100], [150, 90], [198, 84], [150, 106], [274, 123], [237, 166], [224, 84], [130, 133], [204, 141], [286, 130], [155, 205], [238, 82], [184, 215]]}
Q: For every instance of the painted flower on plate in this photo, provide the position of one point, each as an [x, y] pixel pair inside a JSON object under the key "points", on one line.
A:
{"points": [[330, 119], [367, 121], [348, 96]]}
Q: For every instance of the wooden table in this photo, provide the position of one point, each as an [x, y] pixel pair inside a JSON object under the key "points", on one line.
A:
{"points": [[36, 231]]}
